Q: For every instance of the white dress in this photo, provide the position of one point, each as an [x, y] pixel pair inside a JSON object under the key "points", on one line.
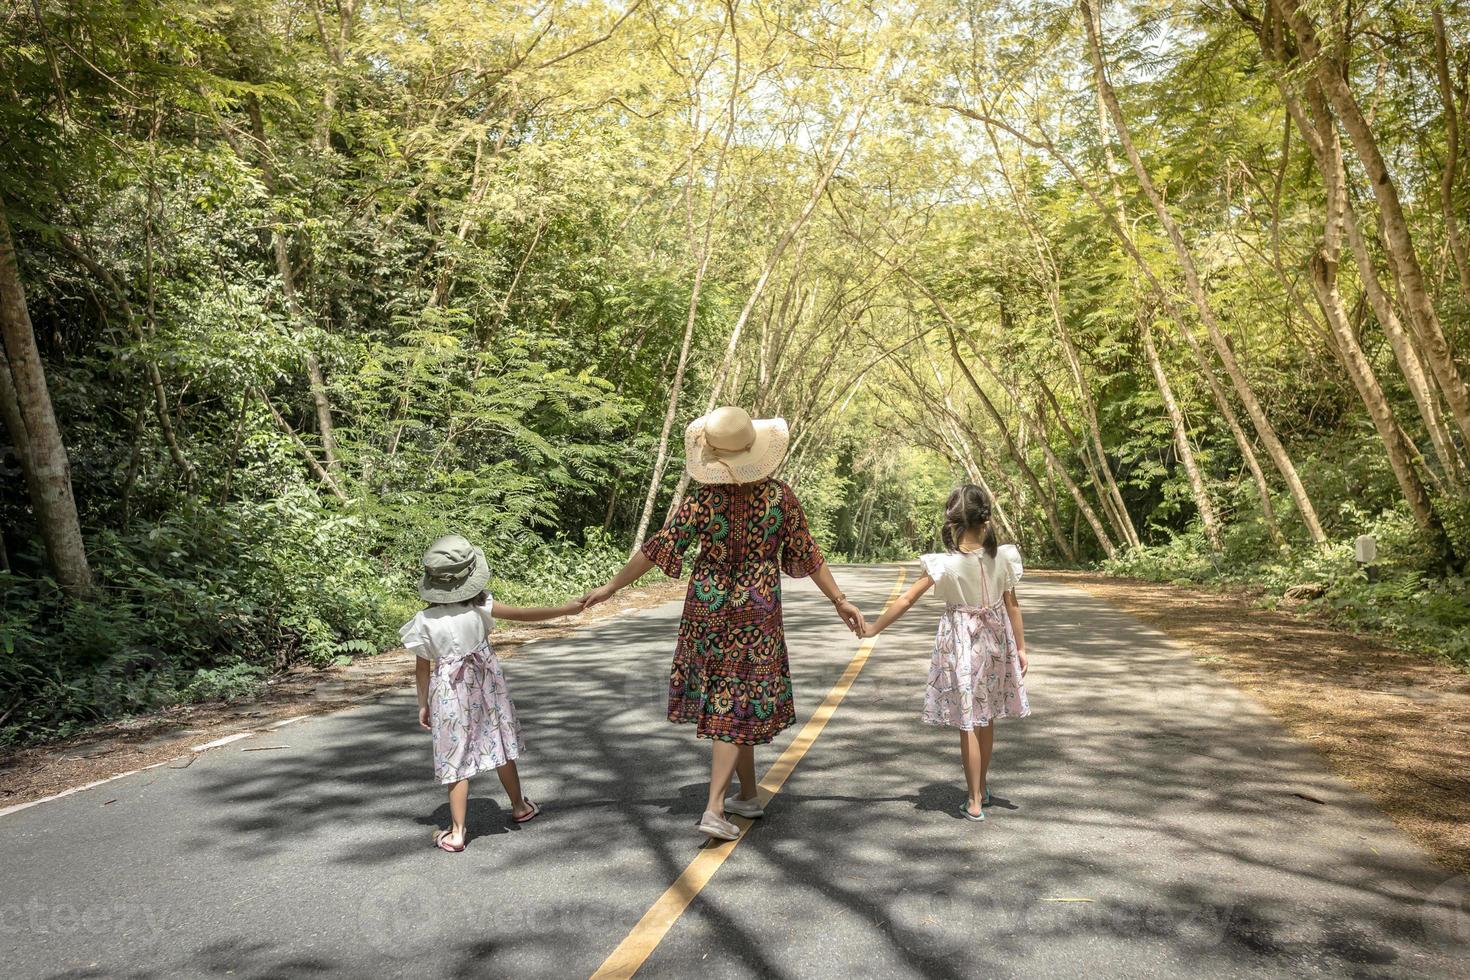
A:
{"points": [[470, 712], [975, 674]]}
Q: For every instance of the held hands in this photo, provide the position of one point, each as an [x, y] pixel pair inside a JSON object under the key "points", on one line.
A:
{"points": [[572, 607], [852, 616], [598, 595]]}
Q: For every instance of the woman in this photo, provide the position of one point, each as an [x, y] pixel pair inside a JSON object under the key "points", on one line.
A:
{"points": [[730, 676]]}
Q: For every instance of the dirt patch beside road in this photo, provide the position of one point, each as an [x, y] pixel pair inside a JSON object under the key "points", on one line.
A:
{"points": [[1395, 724]]}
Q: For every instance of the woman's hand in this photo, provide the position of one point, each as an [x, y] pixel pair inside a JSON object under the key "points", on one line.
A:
{"points": [[1021, 654], [852, 616], [424, 718], [598, 595]]}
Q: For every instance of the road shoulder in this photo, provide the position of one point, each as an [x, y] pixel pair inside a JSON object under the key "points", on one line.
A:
{"points": [[1393, 723]]}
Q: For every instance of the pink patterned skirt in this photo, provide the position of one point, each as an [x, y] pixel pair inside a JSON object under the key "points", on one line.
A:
{"points": [[472, 719], [975, 676]]}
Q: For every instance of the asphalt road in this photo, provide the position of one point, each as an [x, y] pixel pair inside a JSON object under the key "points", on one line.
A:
{"points": [[1149, 820]]}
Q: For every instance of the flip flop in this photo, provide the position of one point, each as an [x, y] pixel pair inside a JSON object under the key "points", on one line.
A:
{"points": [[535, 811], [965, 809], [441, 841]]}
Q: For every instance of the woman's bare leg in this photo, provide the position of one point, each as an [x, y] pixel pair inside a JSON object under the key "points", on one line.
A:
{"points": [[974, 768], [723, 758], [510, 778], [745, 770]]}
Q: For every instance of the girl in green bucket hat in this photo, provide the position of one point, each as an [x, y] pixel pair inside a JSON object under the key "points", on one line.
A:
{"points": [[463, 699]]}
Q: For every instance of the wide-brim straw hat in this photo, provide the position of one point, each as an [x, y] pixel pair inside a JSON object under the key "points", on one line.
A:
{"points": [[728, 446], [454, 571]]}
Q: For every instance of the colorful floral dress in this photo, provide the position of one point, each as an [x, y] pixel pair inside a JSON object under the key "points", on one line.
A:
{"points": [[975, 673], [730, 676], [471, 716]]}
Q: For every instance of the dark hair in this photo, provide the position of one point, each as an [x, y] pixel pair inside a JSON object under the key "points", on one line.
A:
{"points": [[968, 507]]}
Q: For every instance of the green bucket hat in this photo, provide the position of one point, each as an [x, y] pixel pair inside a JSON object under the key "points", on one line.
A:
{"points": [[454, 571]]}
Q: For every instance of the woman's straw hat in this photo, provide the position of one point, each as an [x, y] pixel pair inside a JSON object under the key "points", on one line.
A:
{"points": [[728, 446], [454, 571]]}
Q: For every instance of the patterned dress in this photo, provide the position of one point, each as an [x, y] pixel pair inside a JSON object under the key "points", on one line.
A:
{"points": [[471, 716], [730, 676], [975, 673]]}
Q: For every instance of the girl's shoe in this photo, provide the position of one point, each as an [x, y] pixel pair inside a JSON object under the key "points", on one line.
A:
{"points": [[750, 808], [441, 841], [532, 814], [717, 827], [977, 817]]}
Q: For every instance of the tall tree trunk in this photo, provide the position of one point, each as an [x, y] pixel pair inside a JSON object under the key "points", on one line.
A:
{"points": [[1400, 450], [1323, 268], [1397, 239], [1264, 430], [1317, 128], [34, 430], [1451, 153], [280, 252], [1209, 520]]}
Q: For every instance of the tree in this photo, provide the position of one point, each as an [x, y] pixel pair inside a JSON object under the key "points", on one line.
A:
{"points": [[25, 403]]}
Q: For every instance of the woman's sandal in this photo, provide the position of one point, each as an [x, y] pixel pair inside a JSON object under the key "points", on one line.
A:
{"points": [[977, 817], [441, 841], [535, 812]]}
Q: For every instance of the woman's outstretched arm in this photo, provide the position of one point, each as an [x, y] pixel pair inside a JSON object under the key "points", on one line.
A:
{"points": [[900, 606], [851, 614], [637, 567]]}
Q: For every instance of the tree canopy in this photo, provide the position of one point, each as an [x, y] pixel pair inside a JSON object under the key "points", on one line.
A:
{"points": [[290, 287]]}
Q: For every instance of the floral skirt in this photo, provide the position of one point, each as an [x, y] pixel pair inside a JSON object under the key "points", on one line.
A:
{"points": [[471, 716], [975, 675]]}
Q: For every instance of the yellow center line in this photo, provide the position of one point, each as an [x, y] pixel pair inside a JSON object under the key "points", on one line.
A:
{"points": [[660, 918]]}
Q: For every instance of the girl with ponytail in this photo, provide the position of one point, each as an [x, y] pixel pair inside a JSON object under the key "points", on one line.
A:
{"points": [[979, 663]]}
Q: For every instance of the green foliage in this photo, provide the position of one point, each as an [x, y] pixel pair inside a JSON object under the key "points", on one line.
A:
{"points": [[1408, 603], [236, 682], [483, 225]]}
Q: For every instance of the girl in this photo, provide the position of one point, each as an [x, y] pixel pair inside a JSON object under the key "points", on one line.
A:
{"points": [[463, 699], [980, 650]]}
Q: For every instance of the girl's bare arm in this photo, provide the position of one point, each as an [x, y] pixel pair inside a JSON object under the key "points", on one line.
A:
{"points": [[534, 614], [1018, 626], [421, 681], [900, 606]]}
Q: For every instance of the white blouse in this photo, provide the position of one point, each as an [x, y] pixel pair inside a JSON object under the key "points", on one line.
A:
{"points": [[450, 630], [975, 579]]}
